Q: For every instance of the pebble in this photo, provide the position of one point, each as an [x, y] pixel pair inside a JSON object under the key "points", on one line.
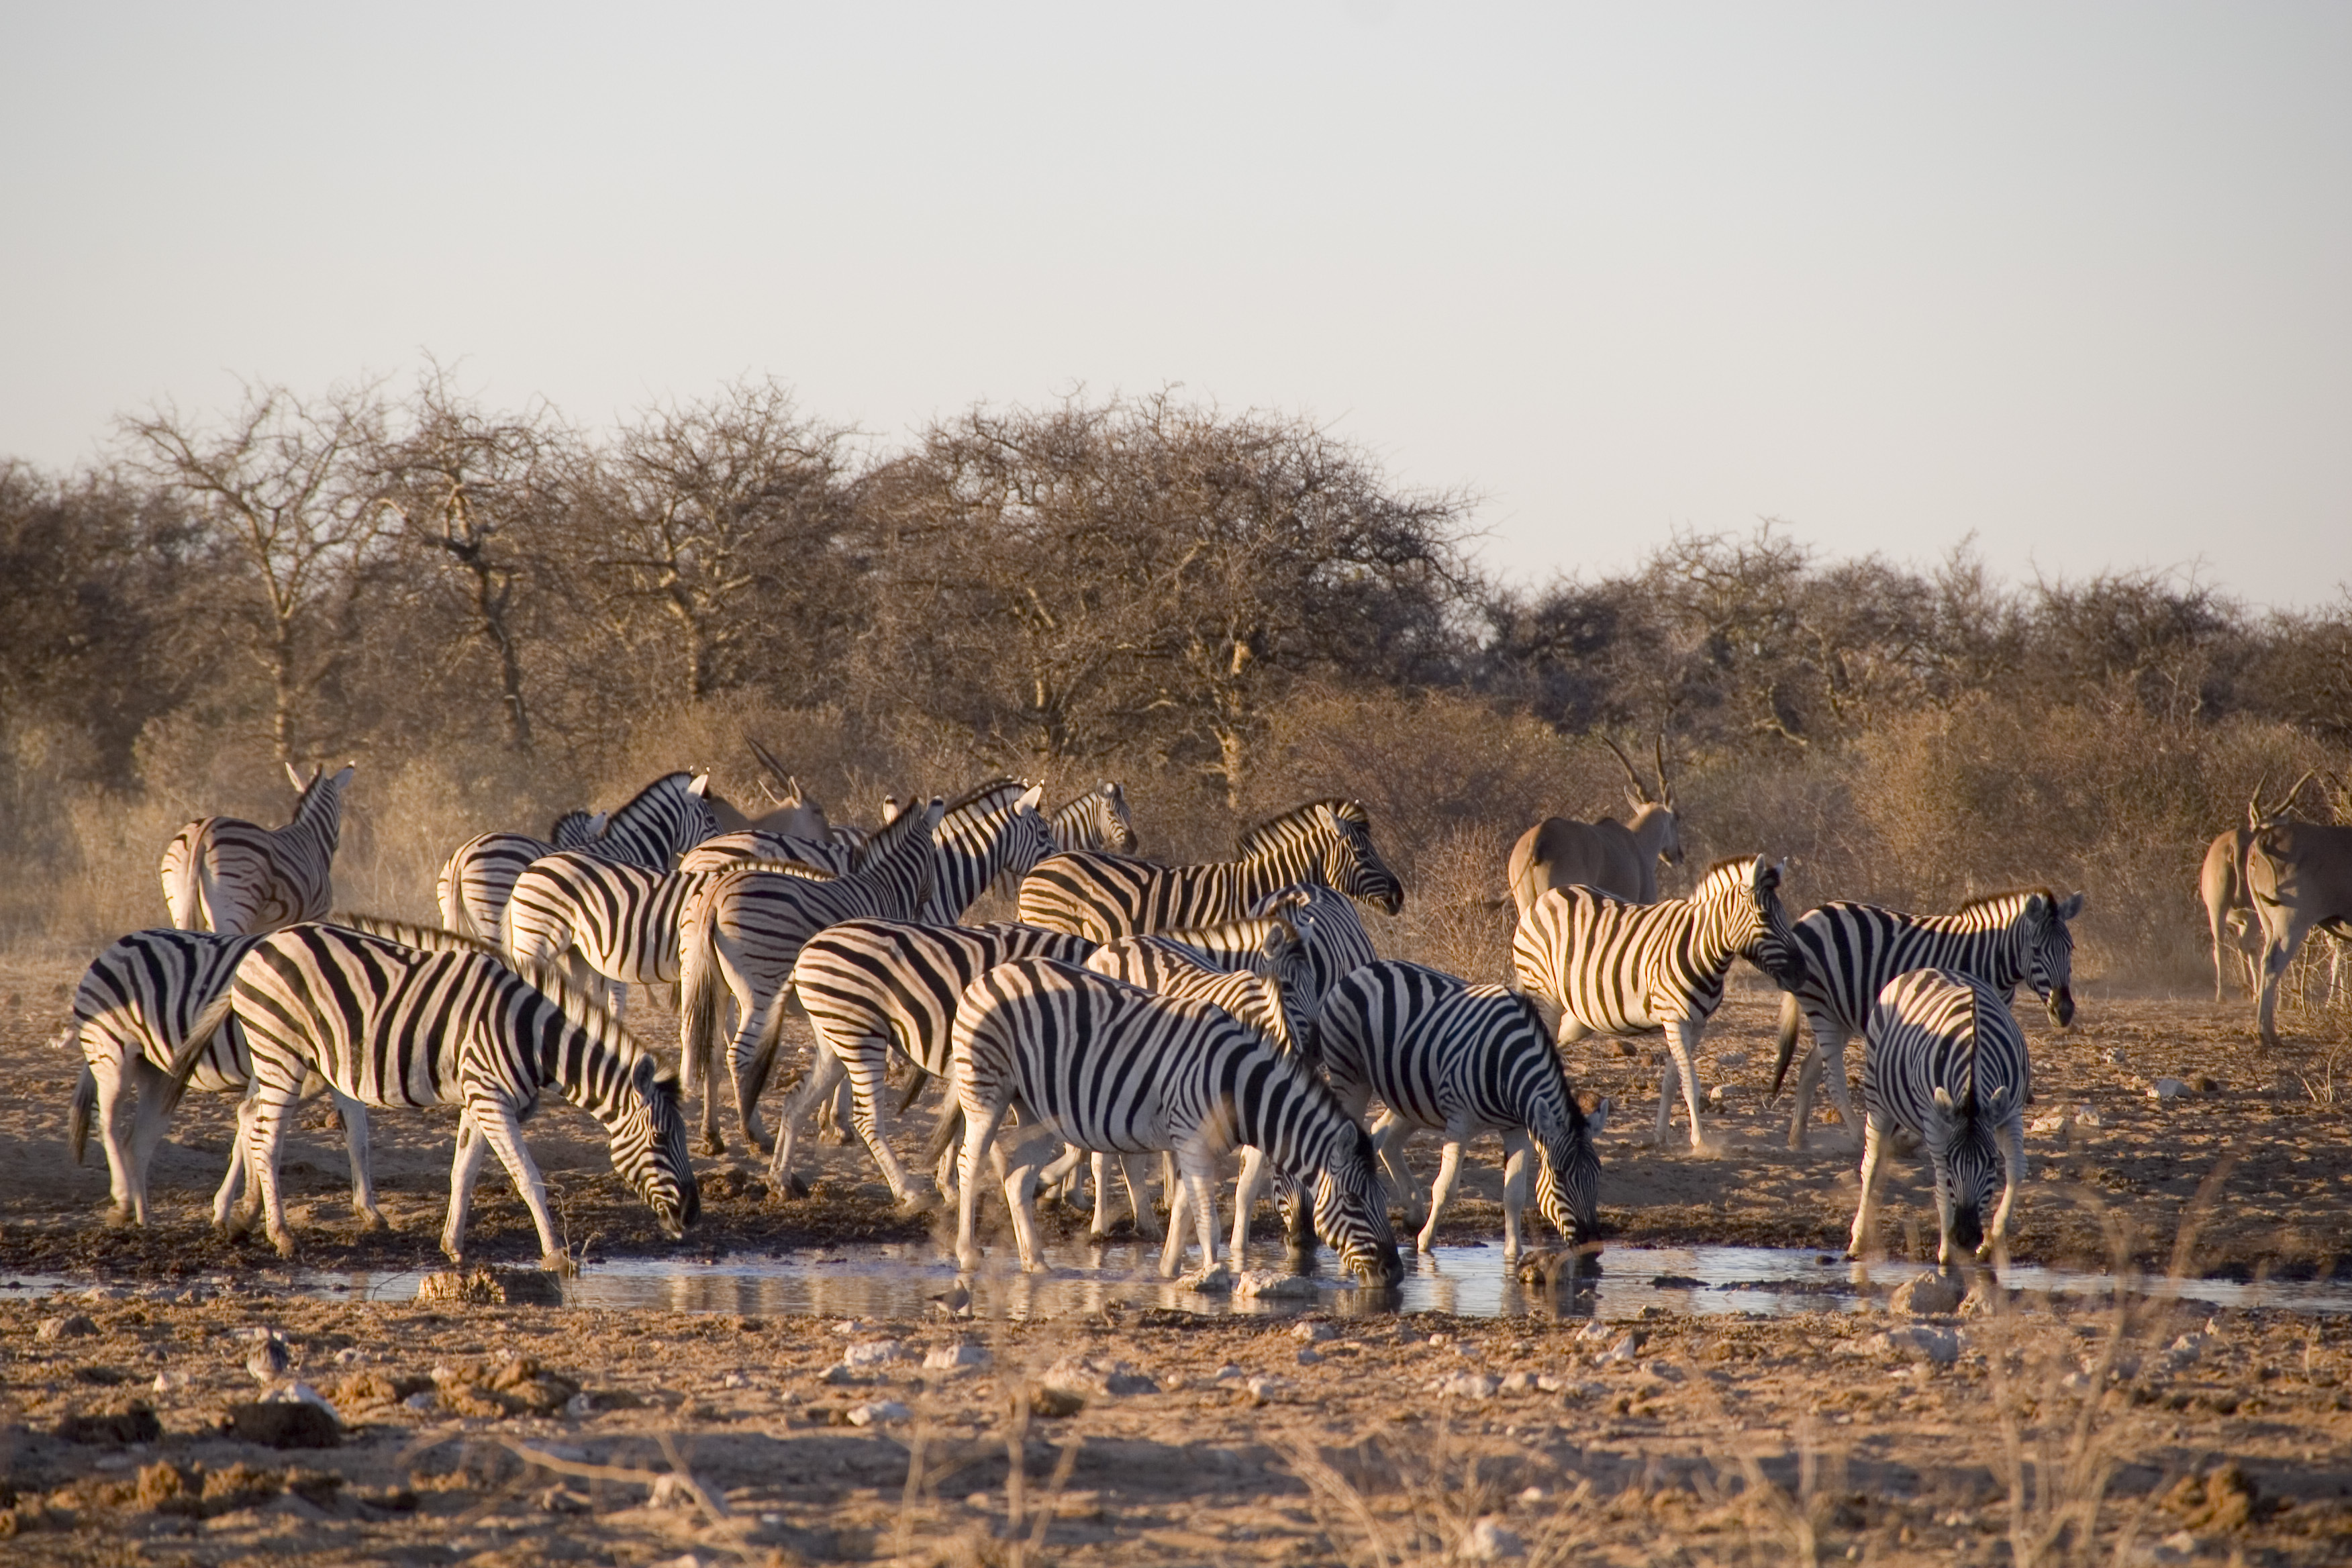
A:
{"points": [[1309, 1358], [1271, 1284], [956, 1358], [1262, 1390], [171, 1381], [1489, 1542], [2167, 1088], [872, 1353], [1313, 1332], [1921, 1343], [2087, 1116], [1466, 1385], [1928, 1295], [1216, 1281], [877, 1413], [72, 1326], [1628, 1348]]}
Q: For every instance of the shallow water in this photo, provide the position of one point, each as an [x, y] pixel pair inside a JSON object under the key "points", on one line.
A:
{"points": [[899, 1281]]}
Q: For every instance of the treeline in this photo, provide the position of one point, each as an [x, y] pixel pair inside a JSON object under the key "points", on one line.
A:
{"points": [[1142, 585]]}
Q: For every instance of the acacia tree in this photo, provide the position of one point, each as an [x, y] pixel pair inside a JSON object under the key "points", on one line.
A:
{"points": [[282, 487]]}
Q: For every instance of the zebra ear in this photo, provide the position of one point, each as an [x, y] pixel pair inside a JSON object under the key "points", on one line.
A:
{"points": [[1029, 799], [1767, 876], [343, 774], [294, 776], [701, 787], [1598, 1117], [2068, 908], [643, 1075], [1944, 1100], [1996, 1097]]}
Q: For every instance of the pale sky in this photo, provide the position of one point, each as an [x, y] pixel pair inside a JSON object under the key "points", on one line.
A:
{"points": [[2075, 279]]}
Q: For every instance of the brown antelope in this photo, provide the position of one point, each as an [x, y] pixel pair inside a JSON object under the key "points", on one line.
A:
{"points": [[2222, 880], [1618, 859], [2299, 878], [794, 815]]}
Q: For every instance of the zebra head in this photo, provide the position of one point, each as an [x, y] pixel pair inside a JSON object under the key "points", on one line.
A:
{"points": [[1350, 863], [577, 829], [1568, 1171], [1966, 1159], [1351, 1209], [1288, 970], [1119, 828], [1740, 899], [2050, 952], [649, 1147]]}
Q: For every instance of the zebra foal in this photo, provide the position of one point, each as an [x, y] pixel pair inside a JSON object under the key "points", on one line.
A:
{"points": [[1460, 1060], [385, 1024], [234, 877], [1102, 1064], [1604, 966], [1944, 1059], [1851, 952]]}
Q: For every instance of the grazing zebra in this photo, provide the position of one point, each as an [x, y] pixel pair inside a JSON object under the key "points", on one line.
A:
{"points": [[228, 876], [660, 822], [872, 985], [1102, 1064], [1852, 951], [474, 882], [1608, 967], [1105, 897], [994, 831], [740, 933], [717, 854], [1943, 1059], [1462, 1059], [390, 1025], [1095, 820]]}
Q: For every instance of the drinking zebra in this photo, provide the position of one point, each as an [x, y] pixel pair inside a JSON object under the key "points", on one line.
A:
{"points": [[869, 986], [660, 822], [1851, 952], [1462, 1059], [1095, 820], [1943, 1059], [1103, 896], [389, 1024], [741, 930], [1604, 966], [1102, 1064], [234, 877]]}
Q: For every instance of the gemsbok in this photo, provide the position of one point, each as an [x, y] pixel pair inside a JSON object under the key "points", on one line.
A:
{"points": [[2222, 880], [1619, 859], [2299, 878]]}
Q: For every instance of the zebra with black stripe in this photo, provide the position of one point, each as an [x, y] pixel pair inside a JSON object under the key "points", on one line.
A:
{"points": [[831, 857], [1095, 820], [1332, 943], [389, 1024], [234, 877], [996, 831], [1604, 966], [1461, 1060], [741, 930], [1944, 1060], [1103, 1064], [872, 986], [1105, 897], [1851, 952], [659, 824]]}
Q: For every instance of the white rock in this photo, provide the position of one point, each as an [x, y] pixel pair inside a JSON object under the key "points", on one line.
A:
{"points": [[1628, 1348], [1307, 1357], [1269, 1284], [1487, 1541], [1229, 1372], [2043, 1125], [1520, 1382], [1263, 1389], [956, 1358], [848, 1326], [877, 1413], [872, 1353], [1928, 1295], [735, 1380], [1920, 1343], [1595, 1330], [1092, 1375], [2087, 1116], [2167, 1088], [1313, 1332], [1216, 1281], [428, 1400], [1468, 1386], [171, 1381], [2184, 1351]]}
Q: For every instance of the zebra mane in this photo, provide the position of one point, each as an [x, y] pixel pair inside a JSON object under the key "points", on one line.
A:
{"points": [[1351, 813], [1987, 900], [590, 1017], [970, 799], [667, 782], [409, 933], [569, 820]]}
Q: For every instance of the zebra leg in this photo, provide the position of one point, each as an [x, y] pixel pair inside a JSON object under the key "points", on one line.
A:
{"points": [[1865, 1214], [119, 1104], [146, 1131], [2012, 1159], [465, 1167], [1682, 1044], [503, 1133], [226, 1222], [866, 1112], [1441, 1191], [1516, 1152], [1199, 1171], [1246, 1192], [1134, 1171], [1021, 1200], [823, 1073], [980, 1123], [1390, 1135], [264, 1144], [356, 1143], [1172, 1255]]}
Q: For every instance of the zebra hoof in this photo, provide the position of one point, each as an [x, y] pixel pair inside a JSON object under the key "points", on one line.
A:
{"points": [[372, 1222], [559, 1264], [794, 1186], [711, 1146]]}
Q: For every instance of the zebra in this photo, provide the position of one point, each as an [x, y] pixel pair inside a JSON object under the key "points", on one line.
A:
{"points": [[1103, 1064], [389, 1024], [717, 854], [1463, 1059], [1104, 896], [473, 884], [741, 930], [1943, 1059], [870, 986], [994, 832], [660, 822], [1851, 951], [225, 874], [1604, 966], [1095, 820], [1332, 941]]}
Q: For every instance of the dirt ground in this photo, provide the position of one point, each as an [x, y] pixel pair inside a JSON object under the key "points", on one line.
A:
{"points": [[518, 1435]]}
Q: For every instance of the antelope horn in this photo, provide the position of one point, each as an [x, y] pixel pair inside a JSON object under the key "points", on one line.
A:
{"points": [[2254, 801], [767, 759], [2287, 799], [1665, 790], [1641, 790]]}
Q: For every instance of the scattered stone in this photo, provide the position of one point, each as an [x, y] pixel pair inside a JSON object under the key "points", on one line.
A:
{"points": [[2167, 1088], [1264, 1389], [2184, 1351], [1723, 1094], [872, 1353], [299, 1424], [960, 1357], [1932, 1294], [1089, 1375], [877, 1413], [136, 1424], [1272, 1285], [1466, 1385], [1216, 1281], [1489, 1542], [1313, 1332], [1940, 1347], [1520, 1382], [1624, 1351], [72, 1326], [1732, 1061], [1055, 1403], [1307, 1357], [2043, 1126], [487, 1287], [353, 1356], [2088, 1116], [168, 1382], [1595, 1330]]}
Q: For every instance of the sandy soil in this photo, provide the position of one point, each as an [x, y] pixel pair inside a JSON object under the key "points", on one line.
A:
{"points": [[1709, 1440]]}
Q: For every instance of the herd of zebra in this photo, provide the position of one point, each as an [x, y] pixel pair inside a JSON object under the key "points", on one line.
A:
{"points": [[1132, 1008]]}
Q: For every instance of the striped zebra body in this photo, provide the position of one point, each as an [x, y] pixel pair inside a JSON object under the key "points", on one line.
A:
{"points": [[1460, 1060], [1103, 1064], [234, 877], [870, 986], [1604, 966], [996, 831], [1851, 952], [831, 858], [477, 879], [1943, 1059], [1332, 941], [741, 933], [390, 1025], [1105, 897], [605, 925], [1095, 820]]}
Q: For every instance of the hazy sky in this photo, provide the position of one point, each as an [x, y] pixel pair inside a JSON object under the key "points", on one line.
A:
{"points": [[2076, 279]]}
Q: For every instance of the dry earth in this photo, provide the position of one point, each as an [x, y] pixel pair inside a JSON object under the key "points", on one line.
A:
{"points": [[1706, 1440]]}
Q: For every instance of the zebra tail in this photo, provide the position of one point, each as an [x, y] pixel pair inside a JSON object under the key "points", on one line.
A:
{"points": [[185, 896], [201, 1031], [698, 993], [85, 1099], [1791, 1015], [914, 1089], [447, 894]]}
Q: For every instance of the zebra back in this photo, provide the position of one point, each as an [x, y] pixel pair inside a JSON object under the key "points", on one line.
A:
{"points": [[661, 821], [725, 850], [577, 829], [139, 999], [1097, 819], [1621, 968], [900, 982], [1276, 995], [235, 877], [994, 831]]}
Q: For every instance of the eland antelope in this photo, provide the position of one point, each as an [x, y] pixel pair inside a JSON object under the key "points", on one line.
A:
{"points": [[2299, 880], [1617, 858], [2222, 880]]}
